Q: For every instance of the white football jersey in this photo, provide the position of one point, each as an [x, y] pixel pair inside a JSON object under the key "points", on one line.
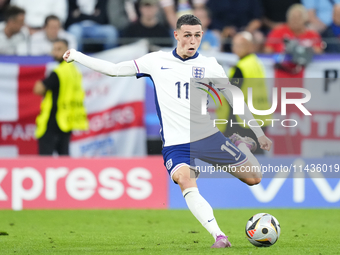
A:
{"points": [[181, 121]]}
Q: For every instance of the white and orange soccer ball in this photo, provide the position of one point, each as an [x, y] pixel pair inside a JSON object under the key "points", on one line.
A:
{"points": [[263, 230]]}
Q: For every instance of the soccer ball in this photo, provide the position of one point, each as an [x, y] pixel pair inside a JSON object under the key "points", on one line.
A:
{"points": [[263, 230]]}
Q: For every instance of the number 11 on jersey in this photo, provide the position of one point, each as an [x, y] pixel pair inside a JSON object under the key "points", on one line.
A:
{"points": [[186, 85], [228, 147]]}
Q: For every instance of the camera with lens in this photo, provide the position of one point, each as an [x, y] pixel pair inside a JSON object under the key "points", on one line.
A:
{"points": [[298, 54]]}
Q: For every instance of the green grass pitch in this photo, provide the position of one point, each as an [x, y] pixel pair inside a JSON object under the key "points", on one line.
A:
{"points": [[304, 231]]}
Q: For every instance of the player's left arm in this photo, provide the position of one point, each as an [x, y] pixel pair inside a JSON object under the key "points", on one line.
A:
{"points": [[264, 141]]}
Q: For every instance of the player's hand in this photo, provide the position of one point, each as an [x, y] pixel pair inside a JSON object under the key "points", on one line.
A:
{"points": [[265, 142], [69, 55]]}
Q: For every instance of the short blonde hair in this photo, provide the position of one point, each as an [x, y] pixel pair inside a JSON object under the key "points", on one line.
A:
{"points": [[299, 7]]}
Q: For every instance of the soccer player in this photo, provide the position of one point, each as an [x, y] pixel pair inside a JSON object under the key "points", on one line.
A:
{"points": [[171, 73]]}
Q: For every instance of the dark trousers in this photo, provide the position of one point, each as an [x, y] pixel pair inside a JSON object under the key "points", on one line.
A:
{"points": [[54, 141]]}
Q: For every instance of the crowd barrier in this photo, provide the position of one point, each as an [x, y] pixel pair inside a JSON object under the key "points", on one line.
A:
{"points": [[115, 183]]}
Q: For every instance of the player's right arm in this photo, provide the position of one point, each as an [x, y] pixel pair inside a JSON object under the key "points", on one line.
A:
{"points": [[126, 68]]}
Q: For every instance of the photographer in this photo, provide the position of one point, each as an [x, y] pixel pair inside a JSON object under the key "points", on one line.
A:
{"points": [[295, 30]]}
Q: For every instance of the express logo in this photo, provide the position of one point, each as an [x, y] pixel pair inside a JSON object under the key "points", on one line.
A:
{"points": [[211, 95]]}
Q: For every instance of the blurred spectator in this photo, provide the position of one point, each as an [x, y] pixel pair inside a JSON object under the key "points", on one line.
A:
{"points": [[319, 13], [3, 6], [295, 28], [332, 33], [121, 13], [173, 9], [14, 37], [87, 19], [210, 40], [38, 10], [274, 12], [62, 109], [248, 73], [231, 16], [42, 41], [148, 25]]}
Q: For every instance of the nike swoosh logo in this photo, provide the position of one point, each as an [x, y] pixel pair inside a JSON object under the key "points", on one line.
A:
{"points": [[238, 157], [163, 68], [211, 220]]}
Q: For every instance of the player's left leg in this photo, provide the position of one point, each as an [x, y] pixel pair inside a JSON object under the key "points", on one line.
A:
{"points": [[249, 172], [223, 153]]}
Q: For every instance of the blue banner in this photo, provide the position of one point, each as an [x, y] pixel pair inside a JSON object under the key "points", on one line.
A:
{"points": [[312, 187]]}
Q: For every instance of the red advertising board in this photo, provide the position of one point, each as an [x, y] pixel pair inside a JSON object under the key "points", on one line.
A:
{"points": [[63, 182]]}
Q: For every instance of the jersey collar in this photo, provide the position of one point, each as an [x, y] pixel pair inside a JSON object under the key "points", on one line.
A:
{"points": [[180, 58]]}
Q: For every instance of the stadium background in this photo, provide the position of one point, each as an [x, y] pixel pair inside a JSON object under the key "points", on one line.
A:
{"points": [[112, 166]]}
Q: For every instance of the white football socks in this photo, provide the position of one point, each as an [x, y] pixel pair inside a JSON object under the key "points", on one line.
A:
{"points": [[202, 210]]}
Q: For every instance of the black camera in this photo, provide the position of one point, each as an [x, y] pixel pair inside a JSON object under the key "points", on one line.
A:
{"points": [[299, 54]]}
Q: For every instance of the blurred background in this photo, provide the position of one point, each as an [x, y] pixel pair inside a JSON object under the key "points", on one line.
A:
{"points": [[295, 44]]}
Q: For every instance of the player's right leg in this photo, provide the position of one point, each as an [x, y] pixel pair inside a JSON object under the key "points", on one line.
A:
{"points": [[177, 160], [198, 206]]}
